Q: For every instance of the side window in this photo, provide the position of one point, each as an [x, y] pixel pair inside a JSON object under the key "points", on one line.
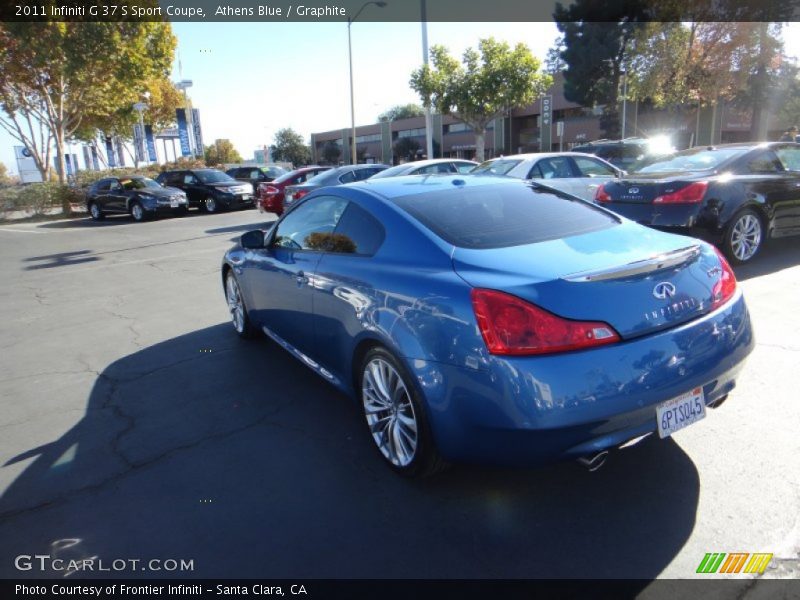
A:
{"points": [[358, 232], [189, 179], [114, 185], [348, 177], [535, 172], [464, 168], [102, 185], [789, 157], [555, 168], [427, 170], [593, 168], [765, 162], [363, 174], [310, 226], [253, 174]]}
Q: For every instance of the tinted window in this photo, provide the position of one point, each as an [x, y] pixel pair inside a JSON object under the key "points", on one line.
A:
{"points": [[789, 157], [310, 225], [102, 185], [498, 166], [363, 174], [189, 179], [555, 168], [271, 172], [362, 229], [464, 167], [211, 176], [437, 168], [764, 162], [593, 168], [138, 183], [503, 215], [347, 177]]}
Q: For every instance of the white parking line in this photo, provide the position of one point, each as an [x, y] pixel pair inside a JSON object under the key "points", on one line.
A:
{"points": [[10, 230]]}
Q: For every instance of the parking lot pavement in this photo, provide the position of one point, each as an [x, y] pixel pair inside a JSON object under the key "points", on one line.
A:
{"points": [[136, 425]]}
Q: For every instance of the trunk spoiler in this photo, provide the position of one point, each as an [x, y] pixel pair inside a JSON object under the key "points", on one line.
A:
{"points": [[648, 265]]}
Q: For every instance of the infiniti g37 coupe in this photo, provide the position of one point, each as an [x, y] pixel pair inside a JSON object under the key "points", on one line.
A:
{"points": [[736, 195], [488, 319]]}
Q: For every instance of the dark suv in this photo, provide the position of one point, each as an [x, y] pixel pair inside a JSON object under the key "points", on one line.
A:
{"points": [[209, 189], [623, 153], [257, 175], [140, 197]]}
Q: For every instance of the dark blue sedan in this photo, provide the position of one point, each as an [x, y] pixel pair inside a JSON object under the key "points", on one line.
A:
{"points": [[492, 320]]}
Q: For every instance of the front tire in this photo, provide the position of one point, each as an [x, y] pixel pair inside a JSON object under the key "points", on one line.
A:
{"points": [[137, 212], [241, 322], [95, 212], [743, 237], [395, 416]]}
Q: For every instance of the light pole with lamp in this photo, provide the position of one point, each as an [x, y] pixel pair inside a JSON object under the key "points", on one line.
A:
{"points": [[140, 107], [350, 55]]}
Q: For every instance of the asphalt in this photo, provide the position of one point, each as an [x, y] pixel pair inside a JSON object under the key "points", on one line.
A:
{"points": [[134, 424]]}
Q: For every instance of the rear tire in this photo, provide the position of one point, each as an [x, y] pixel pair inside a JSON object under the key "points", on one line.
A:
{"points": [[395, 416], [743, 237], [95, 212], [210, 205]]}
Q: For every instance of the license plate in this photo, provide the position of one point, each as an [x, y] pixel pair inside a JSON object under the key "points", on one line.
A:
{"points": [[246, 196], [173, 203], [680, 412]]}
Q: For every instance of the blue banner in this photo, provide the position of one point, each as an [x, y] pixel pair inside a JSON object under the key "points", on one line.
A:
{"points": [[198, 132], [110, 153], [151, 143], [183, 131]]}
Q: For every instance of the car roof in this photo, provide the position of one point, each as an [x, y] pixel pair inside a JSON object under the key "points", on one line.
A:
{"points": [[537, 155], [412, 185]]}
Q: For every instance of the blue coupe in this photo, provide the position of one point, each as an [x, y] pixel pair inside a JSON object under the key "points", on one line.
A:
{"points": [[486, 319]]}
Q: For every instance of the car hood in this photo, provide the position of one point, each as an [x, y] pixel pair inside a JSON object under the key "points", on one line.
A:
{"points": [[609, 275]]}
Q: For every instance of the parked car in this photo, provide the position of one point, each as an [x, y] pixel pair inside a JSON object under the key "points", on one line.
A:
{"points": [[209, 189], [270, 195], [257, 175], [735, 195], [493, 320], [338, 176], [571, 172], [429, 167], [140, 197], [624, 154]]}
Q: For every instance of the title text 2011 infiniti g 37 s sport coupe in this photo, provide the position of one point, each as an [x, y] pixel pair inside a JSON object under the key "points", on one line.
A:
{"points": [[487, 319]]}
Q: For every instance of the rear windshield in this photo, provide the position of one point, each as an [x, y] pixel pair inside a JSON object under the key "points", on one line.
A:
{"points": [[498, 166], [696, 159], [214, 177], [393, 171], [503, 215]]}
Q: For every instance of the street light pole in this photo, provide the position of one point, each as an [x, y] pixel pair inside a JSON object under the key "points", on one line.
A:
{"points": [[428, 120], [140, 107], [354, 156], [624, 99]]}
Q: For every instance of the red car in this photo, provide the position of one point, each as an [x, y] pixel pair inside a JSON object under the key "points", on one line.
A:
{"points": [[270, 195]]}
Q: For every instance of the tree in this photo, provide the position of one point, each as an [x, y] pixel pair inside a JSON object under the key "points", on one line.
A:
{"points": [[73, 69], [401, 111], [405, 149], [331, 152], [4, 178], [289, 146], [489, 82], [221, 152], [596, 38], [553, 63]]}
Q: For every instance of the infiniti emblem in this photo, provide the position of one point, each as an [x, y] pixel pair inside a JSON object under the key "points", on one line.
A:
{"points": [[633, 190], [664, 290]]}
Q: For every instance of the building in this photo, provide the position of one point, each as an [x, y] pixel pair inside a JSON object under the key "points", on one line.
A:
{"points": [[522, 131]]}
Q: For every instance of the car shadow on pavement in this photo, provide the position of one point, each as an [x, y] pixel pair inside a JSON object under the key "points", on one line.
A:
{"points": [[776, 255], [88, 223], [235, 456]]}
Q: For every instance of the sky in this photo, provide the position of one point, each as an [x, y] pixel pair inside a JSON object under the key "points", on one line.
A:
{"points": [[251, 79]]}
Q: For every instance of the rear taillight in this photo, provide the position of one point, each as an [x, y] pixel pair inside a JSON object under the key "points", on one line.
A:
{"points": [[601, 195], [511, 326], [726, 286], [691, 194], [270, 189]]}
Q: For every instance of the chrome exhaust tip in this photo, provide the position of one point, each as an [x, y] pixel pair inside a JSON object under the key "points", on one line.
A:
{"points": [[718, 402], [593, 462]]}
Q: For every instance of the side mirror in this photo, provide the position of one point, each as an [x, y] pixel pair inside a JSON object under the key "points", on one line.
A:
{"points": [[252, 240]]}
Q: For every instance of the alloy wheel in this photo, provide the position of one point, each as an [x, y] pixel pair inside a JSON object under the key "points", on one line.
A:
{"points": [[390, 412], [235, 303], [746, 237], [211, 205], [137, 212]]}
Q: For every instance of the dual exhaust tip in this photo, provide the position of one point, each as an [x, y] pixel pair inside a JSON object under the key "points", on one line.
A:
{"points": [[593, 462]]}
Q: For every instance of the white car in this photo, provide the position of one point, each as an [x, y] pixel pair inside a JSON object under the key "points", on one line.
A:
{"points": [[572, 172]]}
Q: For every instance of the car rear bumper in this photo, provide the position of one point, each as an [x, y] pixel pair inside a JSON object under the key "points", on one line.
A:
{"points": [[687, 217], [273, 204], [529, 410]]}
